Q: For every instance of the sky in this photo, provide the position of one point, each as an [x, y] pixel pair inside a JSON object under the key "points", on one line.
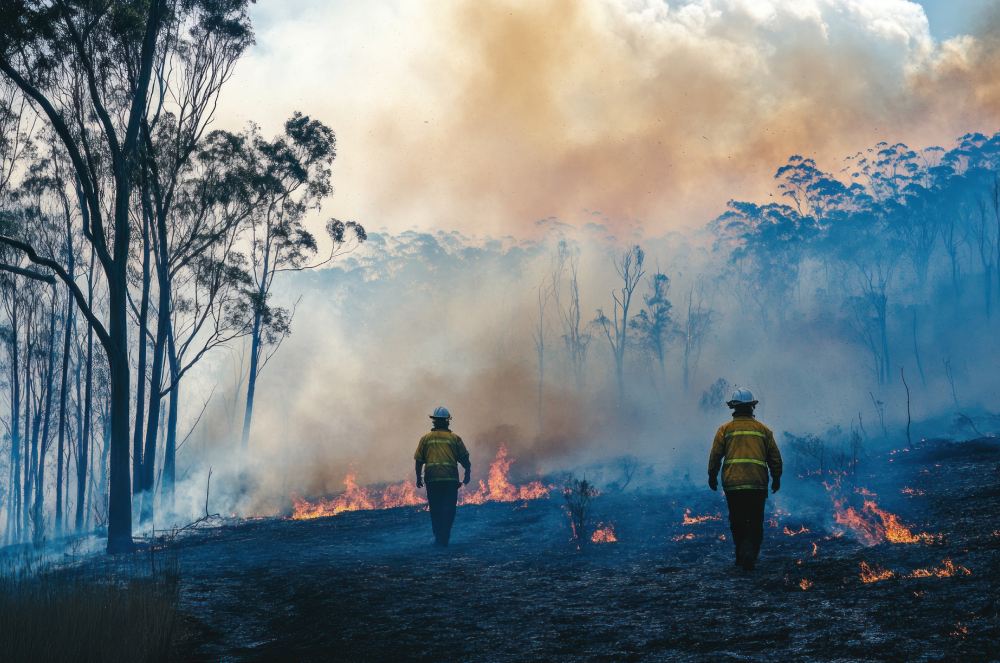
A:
{"points": [[487, 116]]}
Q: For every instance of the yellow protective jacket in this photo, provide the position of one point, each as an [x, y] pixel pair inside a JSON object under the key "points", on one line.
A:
{"points": [[441, 451], [749, 450]]}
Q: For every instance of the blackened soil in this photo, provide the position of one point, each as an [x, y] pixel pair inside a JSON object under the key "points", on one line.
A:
{"points": [[513, 587]]}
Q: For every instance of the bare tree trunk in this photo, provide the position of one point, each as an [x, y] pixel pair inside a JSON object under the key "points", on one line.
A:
{"points": [[140, 384], [63, 397], [909, 442], [916, 350], [14, 514], [170, 446], [155, 383], [251, 379], [39, 521], [83, 454]]}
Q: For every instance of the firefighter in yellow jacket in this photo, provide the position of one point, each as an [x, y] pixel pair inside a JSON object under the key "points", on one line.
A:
{"points": [[749, 451], [438, 456]]}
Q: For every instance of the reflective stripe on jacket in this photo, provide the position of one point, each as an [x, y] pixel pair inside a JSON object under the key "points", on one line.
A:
{"points": [[441, 451], [749, 450]]}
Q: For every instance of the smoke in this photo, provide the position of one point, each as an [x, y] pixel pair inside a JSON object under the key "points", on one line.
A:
{"points": [[615, 123], [487, 116]]}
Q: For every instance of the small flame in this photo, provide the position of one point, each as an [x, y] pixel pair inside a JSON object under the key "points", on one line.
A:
{"points": [[886, 528], [815, 549], [805, 584], [947, 569], [604, 534], [865, 492], [961, 631], [683, 537], [498, 487], [801, 530], [874, 573], [695, 520], [722, 537], [912, 492]]}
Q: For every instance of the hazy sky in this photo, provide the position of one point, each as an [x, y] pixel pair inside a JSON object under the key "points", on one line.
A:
{"points": [[488, 115]]}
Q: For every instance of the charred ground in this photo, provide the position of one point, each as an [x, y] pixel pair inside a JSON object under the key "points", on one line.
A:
{"points": [[513, 586]]}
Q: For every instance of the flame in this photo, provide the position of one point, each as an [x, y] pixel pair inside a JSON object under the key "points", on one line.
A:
{"points": [[874, 573], [604, 534], [498, 487], [871, 531], [815, 549], [801, 530], [683, 537], [912, 492], [694, 520], [361, 498], [961, 631], [805, 584], [865, 492], [947, 569], [722, 537]]}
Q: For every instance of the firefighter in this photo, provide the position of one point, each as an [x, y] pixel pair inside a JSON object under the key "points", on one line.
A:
{"points": [[749, 451], [437, 458]]}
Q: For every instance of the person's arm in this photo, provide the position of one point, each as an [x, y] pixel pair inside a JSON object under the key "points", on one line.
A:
{"points": [[463, 459], [419, 460], [715, 459], [774, 462]]}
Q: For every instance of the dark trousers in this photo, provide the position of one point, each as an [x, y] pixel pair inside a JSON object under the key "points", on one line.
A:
{"points": [[442, 498], [746, 522]]}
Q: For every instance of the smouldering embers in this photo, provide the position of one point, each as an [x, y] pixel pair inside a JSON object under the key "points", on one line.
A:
{"points": [[697, 520], [497, 488], [873, 573]]}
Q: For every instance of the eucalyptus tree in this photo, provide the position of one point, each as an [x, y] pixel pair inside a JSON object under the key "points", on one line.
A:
{"points": [[290, 176], [87, 69]]}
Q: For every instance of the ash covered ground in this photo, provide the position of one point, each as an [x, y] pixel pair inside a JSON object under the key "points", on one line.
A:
{"points": [[514, 587]]}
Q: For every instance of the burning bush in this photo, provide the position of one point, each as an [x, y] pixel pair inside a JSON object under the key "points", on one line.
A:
{"points": [[604, 533], [578, 493]]}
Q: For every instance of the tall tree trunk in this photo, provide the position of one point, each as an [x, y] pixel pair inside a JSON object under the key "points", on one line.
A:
{"points": [[38, 518], [155, 387], [14, 514], [63, 397], [83, 451], [140, 385], [170, 447], [252, 377]]}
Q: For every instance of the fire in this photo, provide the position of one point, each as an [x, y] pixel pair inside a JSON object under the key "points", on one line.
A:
{"points": [[815, 549], [865, 492], [912, 492], [498, 488], [947, 569], [795, 532], [694, 520], [604, 534], [354, 498], [805, 584], [871, 531], [683, 537], [874, 573]]}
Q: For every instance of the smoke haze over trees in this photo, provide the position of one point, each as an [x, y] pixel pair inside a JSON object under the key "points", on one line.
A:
{"points": [[151, 264]]}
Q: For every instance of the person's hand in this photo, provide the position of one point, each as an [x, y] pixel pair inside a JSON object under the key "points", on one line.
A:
{"points": [[713, 483], [420, 482], [465, 481], [775, 485]]}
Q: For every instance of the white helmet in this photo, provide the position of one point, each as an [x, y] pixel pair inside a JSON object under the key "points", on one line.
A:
{"points": [[741, 397]]}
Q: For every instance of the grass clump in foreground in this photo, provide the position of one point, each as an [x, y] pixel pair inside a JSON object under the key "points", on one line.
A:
{"points": [[108, 614]]}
